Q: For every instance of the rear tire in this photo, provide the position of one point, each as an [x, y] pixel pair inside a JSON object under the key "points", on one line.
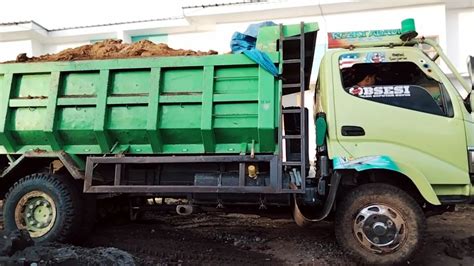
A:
{"points": [[380, 224], [48, 206]]}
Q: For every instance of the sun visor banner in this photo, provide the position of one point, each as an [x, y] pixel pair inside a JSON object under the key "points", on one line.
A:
{"points": [[353, 38], [349, 59]]}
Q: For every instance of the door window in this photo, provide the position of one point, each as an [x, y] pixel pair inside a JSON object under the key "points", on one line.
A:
{"points": [[400, 84]]}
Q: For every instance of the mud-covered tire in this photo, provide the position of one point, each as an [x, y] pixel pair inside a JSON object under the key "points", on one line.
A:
{"points": [[393, 198], [66, 203]]}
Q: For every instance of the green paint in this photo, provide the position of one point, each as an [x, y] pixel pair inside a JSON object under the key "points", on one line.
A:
{"points": [[222, 104], [207, 132], [51, 134], [129, 82], [79, 83], [153, 108], [102, 135], [321, 130], [266, 110], [408, 26], [452, 189], [173, 105], [429, 149], [267, 36], [6, 138]]}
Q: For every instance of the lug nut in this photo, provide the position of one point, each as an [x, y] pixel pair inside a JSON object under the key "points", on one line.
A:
{"points": [[376, 240], [28, 215], [31, 207]]}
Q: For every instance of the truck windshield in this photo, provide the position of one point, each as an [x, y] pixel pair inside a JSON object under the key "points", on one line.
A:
{"points": [[401, 84]]}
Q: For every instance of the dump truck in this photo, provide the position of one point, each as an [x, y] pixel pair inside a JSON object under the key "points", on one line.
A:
{"points": [[394, 137]]}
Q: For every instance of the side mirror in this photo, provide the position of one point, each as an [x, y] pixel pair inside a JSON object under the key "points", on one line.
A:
{"points": [[471, 101], [470, 70]]}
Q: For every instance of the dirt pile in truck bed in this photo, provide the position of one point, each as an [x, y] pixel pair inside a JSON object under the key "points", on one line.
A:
{"points": [[112, 49]]}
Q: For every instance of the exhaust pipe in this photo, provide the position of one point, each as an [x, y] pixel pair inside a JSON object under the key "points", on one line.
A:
{"points": [[184, 209]]}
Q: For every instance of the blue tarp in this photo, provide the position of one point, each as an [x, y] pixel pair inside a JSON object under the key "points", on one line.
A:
{"points": [[245, 43]]}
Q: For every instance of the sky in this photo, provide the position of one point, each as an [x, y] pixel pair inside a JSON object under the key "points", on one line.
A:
{"points": [[69, 13]]}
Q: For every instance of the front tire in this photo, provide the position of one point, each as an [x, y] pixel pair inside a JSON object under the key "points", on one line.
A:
{"points": [[48, 206], [380, 224]]}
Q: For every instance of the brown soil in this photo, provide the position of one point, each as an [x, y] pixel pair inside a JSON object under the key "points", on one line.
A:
{"points": [[112, 49]]}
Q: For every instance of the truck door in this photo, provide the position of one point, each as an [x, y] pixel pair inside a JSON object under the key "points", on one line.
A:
{"points": [[399, 104]]}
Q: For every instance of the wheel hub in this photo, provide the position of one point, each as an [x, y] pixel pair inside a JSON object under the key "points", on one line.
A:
{"points": [[35, 212], [379, 228]]}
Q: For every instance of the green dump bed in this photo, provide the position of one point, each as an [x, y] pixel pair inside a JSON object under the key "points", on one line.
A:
{"points": [[173, 105]]}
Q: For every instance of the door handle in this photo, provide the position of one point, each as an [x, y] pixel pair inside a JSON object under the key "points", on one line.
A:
{"points": [[352, 131]]}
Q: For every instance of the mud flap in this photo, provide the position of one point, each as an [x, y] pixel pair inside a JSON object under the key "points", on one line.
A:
{"points": [[302, 220]]}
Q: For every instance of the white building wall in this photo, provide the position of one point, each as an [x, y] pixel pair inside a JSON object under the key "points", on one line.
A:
{"points": [[431, 20], [219, 38], [36, 48], [9, 50], [203, 41], [54, 48], [460, 37]]}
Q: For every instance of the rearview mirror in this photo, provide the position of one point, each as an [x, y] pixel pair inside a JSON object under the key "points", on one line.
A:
{"points": [[470, 69], [471, 101]]}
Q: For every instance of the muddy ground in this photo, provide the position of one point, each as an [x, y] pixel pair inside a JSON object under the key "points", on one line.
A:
{"points": [[111, 49], [218, 238], [269, 239]]}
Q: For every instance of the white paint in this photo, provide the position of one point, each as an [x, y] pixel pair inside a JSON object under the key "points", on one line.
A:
{"points": [[54, 48], [203, 41], [54, 14], [123, 35], [36, 48], [9, 50], [212, 27], [460, 36], [201, 31]]}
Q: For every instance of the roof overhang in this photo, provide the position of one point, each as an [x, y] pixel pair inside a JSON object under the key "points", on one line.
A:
{"points": [[21, 31], [30, 30]]}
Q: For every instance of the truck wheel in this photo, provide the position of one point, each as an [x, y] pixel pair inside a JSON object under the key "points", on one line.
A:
{"points": [[48, 206], [379, 224]]}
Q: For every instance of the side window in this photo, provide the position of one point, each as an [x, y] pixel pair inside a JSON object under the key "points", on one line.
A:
{"points": [[400, 84]]}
